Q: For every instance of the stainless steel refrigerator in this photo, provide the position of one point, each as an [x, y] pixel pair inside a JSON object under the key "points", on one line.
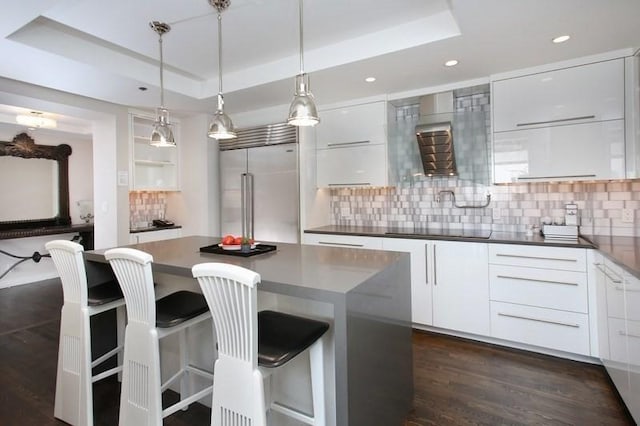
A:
{"points": [[260, 185]]}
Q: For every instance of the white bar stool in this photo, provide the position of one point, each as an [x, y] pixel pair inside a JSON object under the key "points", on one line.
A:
{"points": [[251, 345], [74, 380], [148, 321]]}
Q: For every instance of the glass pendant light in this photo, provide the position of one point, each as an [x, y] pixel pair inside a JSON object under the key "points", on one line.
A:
{"points": [[303, 111], [221, 126], [161, 135]]}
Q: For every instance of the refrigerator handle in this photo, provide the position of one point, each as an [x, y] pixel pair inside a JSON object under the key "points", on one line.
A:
{"points": [[247, 204]]}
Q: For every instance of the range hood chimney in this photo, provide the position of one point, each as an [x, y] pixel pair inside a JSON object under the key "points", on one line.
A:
{"points": [[434, 135]]}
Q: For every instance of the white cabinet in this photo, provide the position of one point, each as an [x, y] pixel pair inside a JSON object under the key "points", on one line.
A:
{"points": [[148, 236], [459, 273], [421, 294], [539, 296], [347, 241], [351, 145], [152, 168], [593, 92], [589, 151], [566, 124]]}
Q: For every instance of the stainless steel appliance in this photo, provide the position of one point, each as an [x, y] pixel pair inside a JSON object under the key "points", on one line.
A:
{"points": [[259, 184]]}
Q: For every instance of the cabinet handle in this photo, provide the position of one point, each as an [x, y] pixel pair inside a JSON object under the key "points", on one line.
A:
{"points": [[435, 273], [351, 184], [555, 177], [624, 333], [347, 143], [603, 269], [536, 280], [340, 244], [560, 120], [426, 263], [535, 257], [566, 324]]}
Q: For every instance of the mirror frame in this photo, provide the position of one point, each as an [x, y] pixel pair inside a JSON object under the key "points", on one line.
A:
{"points": [[25, 147]]}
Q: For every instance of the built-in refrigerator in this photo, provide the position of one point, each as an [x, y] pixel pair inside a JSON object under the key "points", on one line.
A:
{"points": [[260, 185]]}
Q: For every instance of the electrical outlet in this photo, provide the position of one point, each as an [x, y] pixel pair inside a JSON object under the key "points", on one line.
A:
{"points": [[628, 215], [496, 213]]}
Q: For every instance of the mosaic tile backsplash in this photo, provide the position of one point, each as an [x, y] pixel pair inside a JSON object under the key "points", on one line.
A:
{"points": [[146, 206], [513, 208]]}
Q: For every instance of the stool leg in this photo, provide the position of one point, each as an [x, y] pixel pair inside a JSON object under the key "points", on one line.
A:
{"points": [[316, 361], [186, 378]]}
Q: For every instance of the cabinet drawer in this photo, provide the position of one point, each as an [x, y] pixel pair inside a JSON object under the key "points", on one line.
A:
{"points": [[632, 297], [567, 259], [618, 349], [615, 289], [348, 241], [591, 92], [566, 290], [548, 328]]}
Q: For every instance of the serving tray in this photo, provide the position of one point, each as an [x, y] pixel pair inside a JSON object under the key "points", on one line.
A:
{"points": [[258, 249]]}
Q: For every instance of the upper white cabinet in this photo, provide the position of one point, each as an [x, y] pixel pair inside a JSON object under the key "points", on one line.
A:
{"points": [[351, 145], [593, 92], [152, 168], [566, 124]]}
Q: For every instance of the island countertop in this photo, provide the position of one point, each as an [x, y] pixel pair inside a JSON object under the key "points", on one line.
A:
{"points": [[369, 295]]}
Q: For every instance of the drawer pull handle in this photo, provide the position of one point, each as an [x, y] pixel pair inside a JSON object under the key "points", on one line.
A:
{"points": [[624, 333], [340, 244], [535, 257], [536, 280], [630, 290], [561, 120], [426, 263], [556, 177], [347, 143], [566, 324], [614, 280]]}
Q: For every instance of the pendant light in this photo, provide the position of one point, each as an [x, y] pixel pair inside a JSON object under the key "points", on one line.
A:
{"points": [[161, 135], [221, 126], [303, 111]]}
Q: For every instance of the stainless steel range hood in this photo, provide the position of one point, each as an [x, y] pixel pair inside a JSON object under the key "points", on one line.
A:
{"points": [[434, 135]]}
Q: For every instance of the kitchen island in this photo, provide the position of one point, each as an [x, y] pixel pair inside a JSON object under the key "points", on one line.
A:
{"points": [[365, 294]]}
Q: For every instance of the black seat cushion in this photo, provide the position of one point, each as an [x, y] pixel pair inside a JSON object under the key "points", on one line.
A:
{"points": [[282, 336], [104, 293], [178, 307]]}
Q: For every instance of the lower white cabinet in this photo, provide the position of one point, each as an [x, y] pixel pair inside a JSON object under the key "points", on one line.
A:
{"points": [[347, 241], [148, 236], [459, 273], [421, 293], [539, 296]]}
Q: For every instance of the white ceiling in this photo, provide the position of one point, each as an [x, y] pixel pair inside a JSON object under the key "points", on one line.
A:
{"points": [[106, 50]]}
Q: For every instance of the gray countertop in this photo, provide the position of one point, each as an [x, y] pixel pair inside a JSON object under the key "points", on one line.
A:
{"points": [[302, 267], [624, 251]]}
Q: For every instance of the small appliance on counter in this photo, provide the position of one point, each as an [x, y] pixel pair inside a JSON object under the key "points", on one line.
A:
{"points": [[162, 223], [569, 230]]}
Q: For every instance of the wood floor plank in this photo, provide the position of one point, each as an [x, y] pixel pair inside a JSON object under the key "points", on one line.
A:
{"points": [[457, 382]]}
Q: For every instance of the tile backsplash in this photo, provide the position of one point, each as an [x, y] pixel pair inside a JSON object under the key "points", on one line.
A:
{"points": [[513, 208], [146, 206]]}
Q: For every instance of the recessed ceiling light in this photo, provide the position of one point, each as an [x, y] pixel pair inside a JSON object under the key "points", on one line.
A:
{"points": [[561, 39], [451, 63], [370, 79]]}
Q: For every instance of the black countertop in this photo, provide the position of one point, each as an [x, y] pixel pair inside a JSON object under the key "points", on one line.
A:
{"points": [[624, 251], [152, 228]]}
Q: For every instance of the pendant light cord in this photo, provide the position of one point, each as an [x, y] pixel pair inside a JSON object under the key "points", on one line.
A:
{"points": [[301, 38], [161, 73], [219, 52]]}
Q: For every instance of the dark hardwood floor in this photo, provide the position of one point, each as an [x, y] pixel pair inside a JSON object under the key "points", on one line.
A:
{"points": [[457, 382]]}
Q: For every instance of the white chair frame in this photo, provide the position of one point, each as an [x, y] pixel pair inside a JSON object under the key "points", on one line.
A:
{"points": [[74, 380], [239, 391], [142, 387]]}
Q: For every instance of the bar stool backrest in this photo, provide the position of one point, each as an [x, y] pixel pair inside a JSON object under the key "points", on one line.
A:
{"points": [[133, 271], [69, 262], [231, 293]]}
